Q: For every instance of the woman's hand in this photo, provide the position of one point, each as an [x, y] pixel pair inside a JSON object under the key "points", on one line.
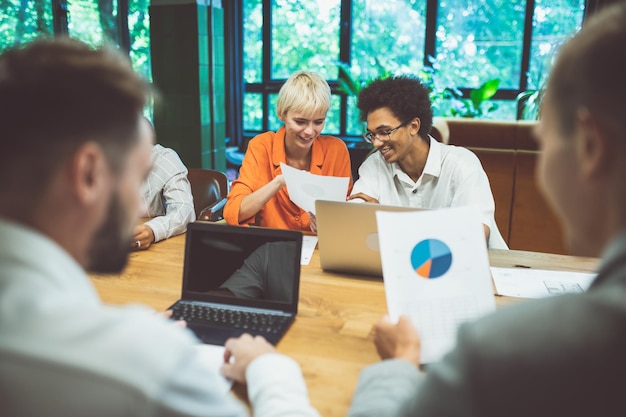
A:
{"points": [[254, 202], [313, 222]]}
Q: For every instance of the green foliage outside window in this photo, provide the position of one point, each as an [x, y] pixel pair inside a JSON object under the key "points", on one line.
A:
{"points": [[92, 21], [478, 104], [305, 36], [253, 43], [388, 36], [476, 41], [139, 27], [24, 20]]}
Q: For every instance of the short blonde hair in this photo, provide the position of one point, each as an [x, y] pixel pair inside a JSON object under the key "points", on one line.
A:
{"points": [[305, 92]]}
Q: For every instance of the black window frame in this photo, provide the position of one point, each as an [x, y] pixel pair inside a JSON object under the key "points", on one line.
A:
{"points": [[234, 65], [269, 86], [60, 18]]}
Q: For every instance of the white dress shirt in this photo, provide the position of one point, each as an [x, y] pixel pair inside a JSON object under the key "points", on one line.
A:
{"points": [[64, 353], [452, 177], [167, 195]]}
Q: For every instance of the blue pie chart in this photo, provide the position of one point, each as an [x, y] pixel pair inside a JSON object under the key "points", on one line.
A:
{"points": [[431, 258]]}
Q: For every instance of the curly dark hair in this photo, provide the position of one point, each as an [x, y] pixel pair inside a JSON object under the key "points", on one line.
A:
{"points": [[405, 96]]}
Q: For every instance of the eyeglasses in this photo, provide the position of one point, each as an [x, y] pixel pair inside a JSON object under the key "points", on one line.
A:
{"points": [[370, 136]]}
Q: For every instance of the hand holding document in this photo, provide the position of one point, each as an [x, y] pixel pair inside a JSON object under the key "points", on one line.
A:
{"points": [[436, 271], [304, 188]]}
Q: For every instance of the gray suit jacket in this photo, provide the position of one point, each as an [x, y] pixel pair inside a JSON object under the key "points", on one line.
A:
{"points": [[562, 356]]}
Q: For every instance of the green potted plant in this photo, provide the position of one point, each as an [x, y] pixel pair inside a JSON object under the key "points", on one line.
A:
{"points": [[530, 99], [351, 85], [478, 104]]}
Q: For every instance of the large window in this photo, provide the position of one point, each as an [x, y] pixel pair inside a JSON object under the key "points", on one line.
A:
{"points": [[124, 23], [23, 20], [454, 45]]}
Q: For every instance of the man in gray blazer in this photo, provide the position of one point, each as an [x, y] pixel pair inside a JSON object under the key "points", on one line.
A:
{"points": [[563, 356]]}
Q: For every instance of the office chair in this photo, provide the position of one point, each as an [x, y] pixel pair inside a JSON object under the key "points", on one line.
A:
{"points": [[209, 189]]}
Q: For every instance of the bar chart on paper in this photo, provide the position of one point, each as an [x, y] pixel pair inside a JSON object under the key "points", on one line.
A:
{"points": [[431, 258]]}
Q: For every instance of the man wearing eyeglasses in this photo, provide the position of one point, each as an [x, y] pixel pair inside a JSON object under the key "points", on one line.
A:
{"points": [[409, 167]]}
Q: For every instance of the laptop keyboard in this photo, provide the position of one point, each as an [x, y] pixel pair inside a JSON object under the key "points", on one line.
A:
{"points": [[227, 317]]}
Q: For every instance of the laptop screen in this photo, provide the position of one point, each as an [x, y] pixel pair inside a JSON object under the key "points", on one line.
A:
{"points": [[245, 266]]}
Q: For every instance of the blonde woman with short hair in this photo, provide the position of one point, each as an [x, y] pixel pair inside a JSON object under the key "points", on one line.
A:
{"points": [[259, 195]]}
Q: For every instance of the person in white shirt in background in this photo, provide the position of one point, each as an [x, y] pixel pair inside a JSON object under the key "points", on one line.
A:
{"points": [[75, 151], [167, 199], [409, 167]]}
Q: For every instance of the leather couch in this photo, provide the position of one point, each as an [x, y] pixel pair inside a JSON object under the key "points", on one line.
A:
{"points": [[509, 155]]}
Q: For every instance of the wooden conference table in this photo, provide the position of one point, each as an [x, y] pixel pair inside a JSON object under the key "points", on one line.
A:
{"points": [[331, 337]]}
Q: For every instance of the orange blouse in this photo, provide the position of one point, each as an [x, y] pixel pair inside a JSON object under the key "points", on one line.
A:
{"points": [[329, 156]]}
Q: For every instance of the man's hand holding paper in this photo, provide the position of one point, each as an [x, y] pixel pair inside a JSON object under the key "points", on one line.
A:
{"points": [[436, 271], [397, 340]]}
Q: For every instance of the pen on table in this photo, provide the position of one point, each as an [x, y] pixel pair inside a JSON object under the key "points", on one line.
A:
{"points": [[520, 266]]}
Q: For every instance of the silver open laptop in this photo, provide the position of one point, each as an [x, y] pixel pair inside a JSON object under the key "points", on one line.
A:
{"points": [[348, 237]]}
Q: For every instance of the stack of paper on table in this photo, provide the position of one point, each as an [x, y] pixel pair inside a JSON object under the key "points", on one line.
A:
{"points": [[436, 271], [539, 283], [308, 247]]}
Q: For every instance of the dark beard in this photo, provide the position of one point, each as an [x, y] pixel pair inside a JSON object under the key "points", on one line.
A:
{"points": [[109, 249]]}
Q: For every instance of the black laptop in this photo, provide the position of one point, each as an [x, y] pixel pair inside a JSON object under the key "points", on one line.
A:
{"points": [[239, 280]]}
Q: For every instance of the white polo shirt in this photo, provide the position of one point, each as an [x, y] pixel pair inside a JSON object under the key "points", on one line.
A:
{"points": [[452, 177], [65, 353]]}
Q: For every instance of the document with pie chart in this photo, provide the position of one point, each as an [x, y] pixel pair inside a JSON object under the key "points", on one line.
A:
{"points": [[304, 188], [436, 271]]}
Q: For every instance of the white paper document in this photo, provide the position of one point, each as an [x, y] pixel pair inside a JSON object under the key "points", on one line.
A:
{"points": [[308, 247], [436, 271], [539, 283], [213, 357], [304, 188]]}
